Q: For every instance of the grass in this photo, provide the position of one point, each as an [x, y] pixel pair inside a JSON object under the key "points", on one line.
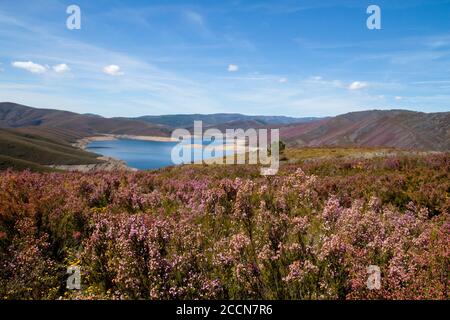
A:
{"points": [[300, 154]]}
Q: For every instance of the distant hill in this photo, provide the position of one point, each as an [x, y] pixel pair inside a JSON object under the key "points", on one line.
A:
{"points": [[209, 120], [391, 128], [14, 115]]}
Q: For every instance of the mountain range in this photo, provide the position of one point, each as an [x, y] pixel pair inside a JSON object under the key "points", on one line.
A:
{"points": [[46, 136], [209, 120]]}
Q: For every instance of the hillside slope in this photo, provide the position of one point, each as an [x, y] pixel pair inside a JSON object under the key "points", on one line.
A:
{"points": [[18, 149], [391, 128], [17, 164]]}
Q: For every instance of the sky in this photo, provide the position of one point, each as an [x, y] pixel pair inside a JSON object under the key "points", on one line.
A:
{"points": [[295, 58]]}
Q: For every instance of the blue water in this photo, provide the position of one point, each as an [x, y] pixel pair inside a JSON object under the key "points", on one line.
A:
{"points": [[142, 155]]}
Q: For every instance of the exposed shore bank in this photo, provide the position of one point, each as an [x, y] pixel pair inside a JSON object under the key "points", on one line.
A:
{"points": [[82, 143]]}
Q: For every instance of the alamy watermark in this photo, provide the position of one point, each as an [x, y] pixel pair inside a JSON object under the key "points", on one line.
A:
{"points": [[374, 20], [374, 277], [73, 22], [232, 147], [74, 280]]}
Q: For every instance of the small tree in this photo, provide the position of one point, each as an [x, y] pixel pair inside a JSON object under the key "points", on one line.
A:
{"points": [[281, 148]]}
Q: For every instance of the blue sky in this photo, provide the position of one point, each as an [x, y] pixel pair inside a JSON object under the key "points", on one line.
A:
{"points": [[297, 58]]}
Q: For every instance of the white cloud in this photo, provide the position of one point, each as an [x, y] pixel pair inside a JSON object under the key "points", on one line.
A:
{"points": [[112, 70], [398, 98], [317, 78], [357, 85], [233, 68], [283, 80], [30, 66], [61, 68]]}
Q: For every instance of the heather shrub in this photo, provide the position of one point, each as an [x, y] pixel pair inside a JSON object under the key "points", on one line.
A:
{"points": [[225, 232]]}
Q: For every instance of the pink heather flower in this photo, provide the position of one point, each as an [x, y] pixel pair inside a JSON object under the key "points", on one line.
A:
{"points": [[295, 272], [300, 224], [238, 243], [76, 235], [332, 210]]}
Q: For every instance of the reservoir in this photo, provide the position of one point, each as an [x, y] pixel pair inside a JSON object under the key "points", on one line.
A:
{"points": [[143, 154]]}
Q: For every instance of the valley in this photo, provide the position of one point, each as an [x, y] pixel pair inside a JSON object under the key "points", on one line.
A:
{"points": [[42, 139]]}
